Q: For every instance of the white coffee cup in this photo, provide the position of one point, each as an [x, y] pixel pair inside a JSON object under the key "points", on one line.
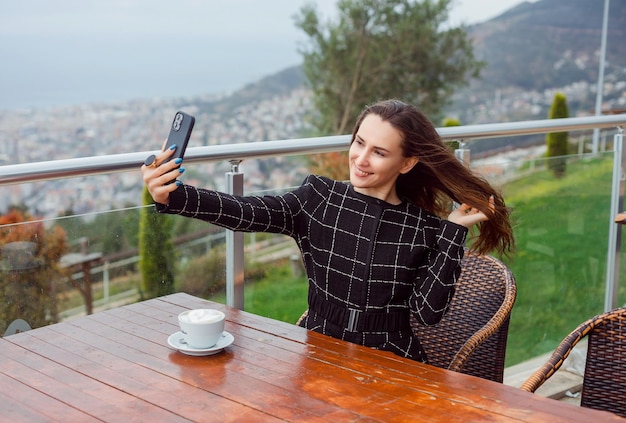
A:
{"points": [[201, 328]]}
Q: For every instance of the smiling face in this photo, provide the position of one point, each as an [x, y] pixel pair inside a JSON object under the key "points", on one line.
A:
{"points": [[376, 159]]}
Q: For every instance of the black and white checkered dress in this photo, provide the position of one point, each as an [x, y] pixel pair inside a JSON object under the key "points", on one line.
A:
{"points": [[369, 263]]}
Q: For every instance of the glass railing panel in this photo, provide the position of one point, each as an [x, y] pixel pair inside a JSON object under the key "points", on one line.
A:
{"points": [[101, 248], [560, 208], [54, 269], [29, 274], [275, 281]]}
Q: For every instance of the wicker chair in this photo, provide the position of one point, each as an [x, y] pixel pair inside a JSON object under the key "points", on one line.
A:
{"points": [[604, 381], [471, 338]]}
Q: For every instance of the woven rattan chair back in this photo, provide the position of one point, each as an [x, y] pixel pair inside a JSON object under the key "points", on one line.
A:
{"points": [[604, 381], [471, 338]]}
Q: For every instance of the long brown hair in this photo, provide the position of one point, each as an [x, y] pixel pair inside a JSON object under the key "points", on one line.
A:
{"points": [[439, 178]]}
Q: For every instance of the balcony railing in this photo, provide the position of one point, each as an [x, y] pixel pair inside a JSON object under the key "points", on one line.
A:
{"points": [[536, 259]]}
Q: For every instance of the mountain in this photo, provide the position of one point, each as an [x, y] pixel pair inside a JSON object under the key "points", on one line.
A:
{"points": [[278, 84], [549, 43]]}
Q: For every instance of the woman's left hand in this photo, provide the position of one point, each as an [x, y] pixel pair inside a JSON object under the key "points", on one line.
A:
{"points": [[468, 216]]}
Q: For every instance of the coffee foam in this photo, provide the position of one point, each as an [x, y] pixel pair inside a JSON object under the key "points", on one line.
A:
{"points": [[201, 316]]}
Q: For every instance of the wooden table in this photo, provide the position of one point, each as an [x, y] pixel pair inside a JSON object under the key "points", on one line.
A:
{"points": [[116, 366]]}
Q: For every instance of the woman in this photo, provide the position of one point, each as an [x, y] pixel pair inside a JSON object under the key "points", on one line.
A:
{"points": [[375, 250]]}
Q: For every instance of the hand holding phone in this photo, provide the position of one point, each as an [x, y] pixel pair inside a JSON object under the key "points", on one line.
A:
{"points": [[180, 132]]}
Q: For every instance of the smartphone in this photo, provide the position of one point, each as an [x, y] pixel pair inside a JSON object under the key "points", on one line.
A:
{"points": [[179, 134]]}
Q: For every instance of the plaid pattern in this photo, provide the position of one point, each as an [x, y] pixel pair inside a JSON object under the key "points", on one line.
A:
{"points": [[359, 252]]}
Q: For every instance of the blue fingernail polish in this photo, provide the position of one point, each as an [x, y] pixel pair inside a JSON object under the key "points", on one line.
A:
{"points": [[173, 147], [178, 183], [181, 170], [178, 160]]}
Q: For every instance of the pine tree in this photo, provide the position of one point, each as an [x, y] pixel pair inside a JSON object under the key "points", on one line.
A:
{"points": [[157, 256], [557, 143]]}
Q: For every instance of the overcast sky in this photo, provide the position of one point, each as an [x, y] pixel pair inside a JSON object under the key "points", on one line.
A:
{"points": [[72, 51]]}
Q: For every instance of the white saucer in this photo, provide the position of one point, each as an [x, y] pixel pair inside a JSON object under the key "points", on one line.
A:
{"points": [[177, 342]]}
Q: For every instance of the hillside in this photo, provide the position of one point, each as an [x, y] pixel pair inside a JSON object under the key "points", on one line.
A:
{"points": [[278, 84], [550, 43]]}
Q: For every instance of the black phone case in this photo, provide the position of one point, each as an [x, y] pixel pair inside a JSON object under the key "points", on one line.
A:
{"points": [[180, 131]]}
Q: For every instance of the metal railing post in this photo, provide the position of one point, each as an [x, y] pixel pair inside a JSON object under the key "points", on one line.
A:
{"points": [[234, 245], [463, 153], [600, 83], [615, 229]]}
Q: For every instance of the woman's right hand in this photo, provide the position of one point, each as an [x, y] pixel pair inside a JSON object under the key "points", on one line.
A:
{"points": [[157, 177]]}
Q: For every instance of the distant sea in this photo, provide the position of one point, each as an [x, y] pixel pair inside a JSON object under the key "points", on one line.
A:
{"points": [[60, 71]]}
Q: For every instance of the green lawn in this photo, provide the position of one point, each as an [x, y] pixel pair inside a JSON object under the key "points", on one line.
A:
{"points": [[280, 295]]}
